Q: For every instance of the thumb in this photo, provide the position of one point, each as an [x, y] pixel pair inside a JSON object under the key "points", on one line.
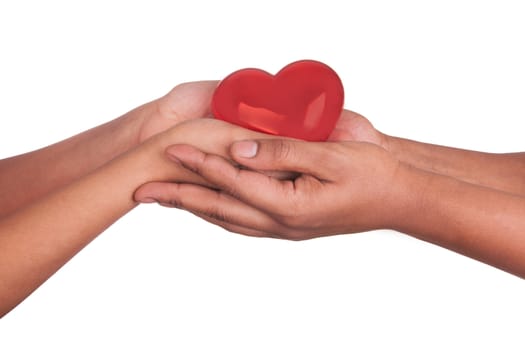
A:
{"points": [[281, 154], [189, 100]]}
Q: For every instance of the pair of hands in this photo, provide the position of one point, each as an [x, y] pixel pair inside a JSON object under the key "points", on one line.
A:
{"points": [[349, 184]]}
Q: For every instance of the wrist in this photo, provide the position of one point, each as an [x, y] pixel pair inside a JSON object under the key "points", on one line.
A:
{"points": [[143, 122], [152, 163], [398, 148], [388, 142], [408, 197]]}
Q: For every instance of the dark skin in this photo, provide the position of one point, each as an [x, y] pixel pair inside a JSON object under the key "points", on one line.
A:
{"points": [[470, 202]]}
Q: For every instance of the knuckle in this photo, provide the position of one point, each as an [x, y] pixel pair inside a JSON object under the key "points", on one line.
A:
{"points": [[289, 204], [227, 185], [232, 188], [174, 203], [202, 162], [233, 192], [293, 219], [171, 197], [217, 214], [276, 230], [282, 150]]}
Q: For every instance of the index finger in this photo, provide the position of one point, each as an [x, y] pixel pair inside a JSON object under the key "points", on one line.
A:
{"points": [[259, 190]]}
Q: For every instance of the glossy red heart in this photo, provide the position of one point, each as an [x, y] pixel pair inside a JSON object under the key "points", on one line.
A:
{"points": [[303, 100]]}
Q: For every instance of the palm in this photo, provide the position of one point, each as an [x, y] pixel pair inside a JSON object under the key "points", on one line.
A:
{"points": [[354, 127]]}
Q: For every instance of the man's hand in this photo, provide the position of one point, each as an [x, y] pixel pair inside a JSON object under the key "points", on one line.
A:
{"points": [[342, 188]]}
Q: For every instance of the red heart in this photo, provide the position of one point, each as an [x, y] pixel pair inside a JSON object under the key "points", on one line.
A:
{"points": [[303, 100]]}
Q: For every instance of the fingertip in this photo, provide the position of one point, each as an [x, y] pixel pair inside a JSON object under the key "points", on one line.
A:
{"points": [[171, 153], [163, 193], [146, 200], [195, 87], [180, 153], [144, 194], [192, 99]]}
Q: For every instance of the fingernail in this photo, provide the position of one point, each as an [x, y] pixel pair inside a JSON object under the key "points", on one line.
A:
{"points": [[173, 157], [147, 200], [245, 149]]}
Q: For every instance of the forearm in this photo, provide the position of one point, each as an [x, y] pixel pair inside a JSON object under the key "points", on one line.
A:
{"points": [[479, 222], [505, 172], [38, 239], [26, 177]]}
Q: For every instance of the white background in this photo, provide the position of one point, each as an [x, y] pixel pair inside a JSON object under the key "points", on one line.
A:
{"points": [[450, 72]]}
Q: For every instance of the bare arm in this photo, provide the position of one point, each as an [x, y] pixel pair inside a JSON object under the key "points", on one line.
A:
{"points": [[476, 221], [27, 177], [505, 172], [38, 239]]}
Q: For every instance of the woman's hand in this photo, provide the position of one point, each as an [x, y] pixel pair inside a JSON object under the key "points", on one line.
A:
{"points": [[37, 239], [354, 127], [28, 177], [185, 101]]}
